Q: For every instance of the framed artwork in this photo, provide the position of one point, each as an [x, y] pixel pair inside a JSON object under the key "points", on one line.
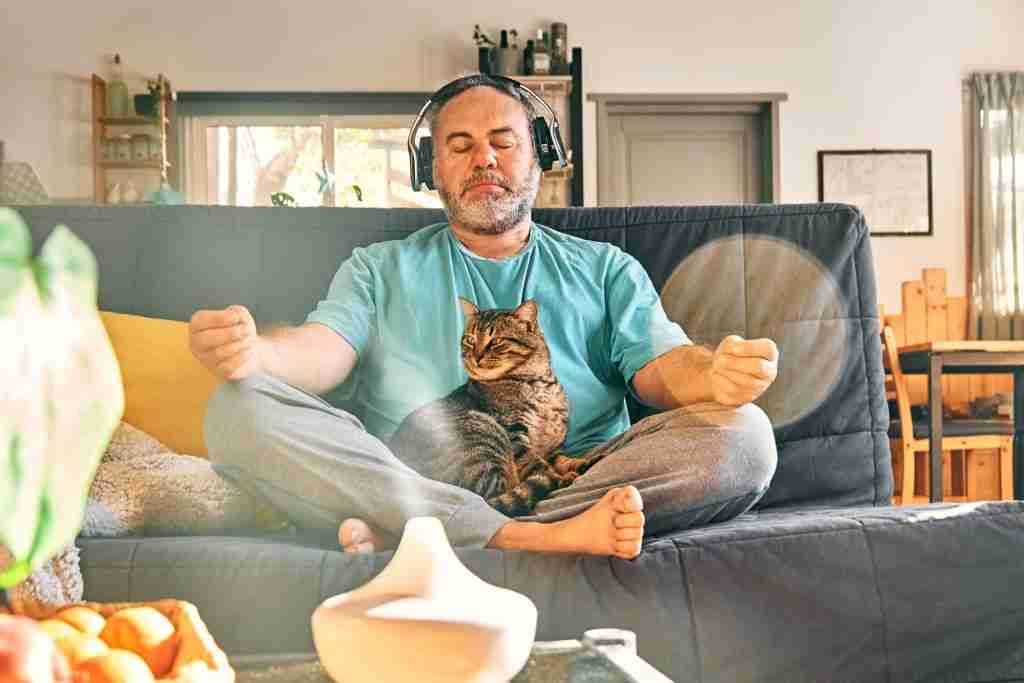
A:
{"points": [[893, 188]]}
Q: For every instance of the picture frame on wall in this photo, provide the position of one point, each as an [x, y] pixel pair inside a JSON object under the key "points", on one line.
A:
{"points": [[893, 188]]}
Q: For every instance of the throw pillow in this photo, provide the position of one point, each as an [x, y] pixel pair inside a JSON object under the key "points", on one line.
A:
{"points": [[165, 387]]}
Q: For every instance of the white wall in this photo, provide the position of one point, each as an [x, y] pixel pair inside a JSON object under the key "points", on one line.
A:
{"points": [[874, 73]]}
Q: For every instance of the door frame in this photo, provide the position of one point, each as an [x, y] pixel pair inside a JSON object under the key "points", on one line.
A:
{"points": [[765, 106]]}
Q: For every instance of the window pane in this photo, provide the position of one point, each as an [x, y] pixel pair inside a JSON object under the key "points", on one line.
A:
{"points": [[247, 164], [376, 160]]}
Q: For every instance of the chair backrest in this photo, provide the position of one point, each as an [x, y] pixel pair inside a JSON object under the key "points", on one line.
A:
{"points": [[891, 356]]}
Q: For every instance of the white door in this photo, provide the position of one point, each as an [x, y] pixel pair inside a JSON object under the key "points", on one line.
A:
{"points": [[681, 154]]}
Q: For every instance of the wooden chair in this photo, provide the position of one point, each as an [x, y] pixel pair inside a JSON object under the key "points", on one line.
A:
{"points": [[912, 439]]}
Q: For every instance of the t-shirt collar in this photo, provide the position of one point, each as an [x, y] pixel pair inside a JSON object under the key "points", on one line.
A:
{"points": [[530, 241]]}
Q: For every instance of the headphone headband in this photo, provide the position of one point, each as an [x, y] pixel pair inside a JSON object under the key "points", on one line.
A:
{"points": [[547, 138]]}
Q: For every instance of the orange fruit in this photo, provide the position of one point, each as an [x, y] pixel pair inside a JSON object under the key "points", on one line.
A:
{"points": [[116, 666], [57, 629], [84, 619], [79, 647], [146, 632]]}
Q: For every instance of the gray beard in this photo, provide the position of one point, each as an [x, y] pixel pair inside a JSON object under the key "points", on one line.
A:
{"points": [[493, 215]]}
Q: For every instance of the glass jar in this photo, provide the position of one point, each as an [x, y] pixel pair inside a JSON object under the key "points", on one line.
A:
{"points": [[140, 146], [123, 148], [107, 149], [155, 148]]}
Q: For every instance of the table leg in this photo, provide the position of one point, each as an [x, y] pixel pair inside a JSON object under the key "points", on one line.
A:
{"points": [[1018, 432], [935, 433]]}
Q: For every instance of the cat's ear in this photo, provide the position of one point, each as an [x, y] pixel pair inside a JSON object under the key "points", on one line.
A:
{"points": [[527, 311], [468, 309]]}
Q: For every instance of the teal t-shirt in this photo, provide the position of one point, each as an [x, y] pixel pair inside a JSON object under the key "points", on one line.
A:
{"points": [[396, 304]]}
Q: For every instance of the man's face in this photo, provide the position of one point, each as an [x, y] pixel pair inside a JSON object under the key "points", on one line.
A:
{"points": [[484, 166]]}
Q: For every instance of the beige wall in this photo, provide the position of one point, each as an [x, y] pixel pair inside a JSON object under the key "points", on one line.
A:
{"points": [[876, 73]]}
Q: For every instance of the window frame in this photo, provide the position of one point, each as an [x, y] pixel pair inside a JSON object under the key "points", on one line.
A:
{"points": [[194, 152]]}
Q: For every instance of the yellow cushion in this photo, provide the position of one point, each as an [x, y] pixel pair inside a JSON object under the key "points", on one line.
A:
{"points": [[165, 387]]}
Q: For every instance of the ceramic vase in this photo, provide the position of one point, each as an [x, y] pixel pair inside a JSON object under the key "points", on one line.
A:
{"points": [[425, 618]]}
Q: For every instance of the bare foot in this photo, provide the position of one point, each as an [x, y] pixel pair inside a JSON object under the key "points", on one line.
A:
{"points": [[356, 536], [613, 526]]}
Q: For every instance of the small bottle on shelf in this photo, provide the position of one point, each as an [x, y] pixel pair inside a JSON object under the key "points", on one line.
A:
{"points": [[559, 48], [117, 91], [541, 55], [528, 58]]}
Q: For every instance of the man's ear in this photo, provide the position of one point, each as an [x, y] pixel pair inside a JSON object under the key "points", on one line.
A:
{"points": [[468, 310], [527, 311]]}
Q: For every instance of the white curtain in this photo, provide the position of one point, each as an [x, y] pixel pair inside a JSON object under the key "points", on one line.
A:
{"points": [[192, 153], [997, 230]]}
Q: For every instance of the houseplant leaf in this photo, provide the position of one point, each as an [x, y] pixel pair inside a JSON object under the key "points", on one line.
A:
{"points": [[60, 392]]}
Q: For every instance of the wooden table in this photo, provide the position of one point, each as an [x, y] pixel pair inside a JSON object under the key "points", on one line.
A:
{"points": [[601, 656], [967, 357]]}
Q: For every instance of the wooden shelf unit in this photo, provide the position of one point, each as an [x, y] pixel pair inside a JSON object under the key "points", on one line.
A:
{"points": [[153, 163], [102, 124], [564, 92], [131, 121]]}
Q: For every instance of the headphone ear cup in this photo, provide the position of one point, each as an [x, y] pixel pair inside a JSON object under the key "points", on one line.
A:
{"points": [[547, 155], [425, 161]]}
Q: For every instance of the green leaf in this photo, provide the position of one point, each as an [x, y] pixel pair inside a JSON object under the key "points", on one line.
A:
{"points": [[14, 461], [65, 256], [17, 572], [15, 249], [15, 240], [67, 395]]}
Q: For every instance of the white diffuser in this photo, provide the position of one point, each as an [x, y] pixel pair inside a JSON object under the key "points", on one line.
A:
{"points": [[425, 618]]}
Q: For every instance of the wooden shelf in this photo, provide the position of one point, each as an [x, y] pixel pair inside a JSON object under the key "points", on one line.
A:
{"points": [[152, 163], [131, 121], [103, 126], [561, 173], [544, 78]]}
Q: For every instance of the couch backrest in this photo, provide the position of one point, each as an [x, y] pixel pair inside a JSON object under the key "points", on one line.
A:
{"points": [[800, 274]]}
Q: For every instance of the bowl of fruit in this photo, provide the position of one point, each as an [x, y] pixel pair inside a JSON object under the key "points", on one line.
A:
{"points": [[164, 640]]}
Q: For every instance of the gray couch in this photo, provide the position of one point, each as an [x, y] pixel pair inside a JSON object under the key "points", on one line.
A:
{"points": [[824, 581]]}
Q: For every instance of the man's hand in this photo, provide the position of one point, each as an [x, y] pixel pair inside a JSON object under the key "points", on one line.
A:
{"points": [[742, 369], [226, 342]]}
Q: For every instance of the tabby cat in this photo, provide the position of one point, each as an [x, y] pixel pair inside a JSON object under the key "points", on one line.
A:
{"points": [[497, 434]]}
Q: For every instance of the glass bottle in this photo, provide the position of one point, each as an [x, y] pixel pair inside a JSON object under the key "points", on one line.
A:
{"points": [[541, 55], [117, 91], [559, 48], [528, 58]]}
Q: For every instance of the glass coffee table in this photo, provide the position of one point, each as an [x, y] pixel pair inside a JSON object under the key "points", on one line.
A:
{"points": [[600, 656]]}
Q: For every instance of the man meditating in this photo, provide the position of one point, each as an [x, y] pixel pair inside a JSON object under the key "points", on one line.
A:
{"points": [[403, 320]]}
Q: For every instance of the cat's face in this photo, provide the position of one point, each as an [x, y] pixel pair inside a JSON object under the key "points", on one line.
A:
{"points": [[498, 343]]}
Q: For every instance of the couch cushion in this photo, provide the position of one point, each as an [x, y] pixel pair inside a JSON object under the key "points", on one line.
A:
{"points": [[853, 594], [165, 387]]}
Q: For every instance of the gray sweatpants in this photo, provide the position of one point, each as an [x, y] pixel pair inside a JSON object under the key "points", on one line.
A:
{"points": [[695, 465]]}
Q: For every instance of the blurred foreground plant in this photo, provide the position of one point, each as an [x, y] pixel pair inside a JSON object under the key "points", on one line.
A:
{"points": [[60, 392]]}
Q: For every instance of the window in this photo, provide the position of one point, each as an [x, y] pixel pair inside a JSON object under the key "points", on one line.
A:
{"points": [[243, 160]]}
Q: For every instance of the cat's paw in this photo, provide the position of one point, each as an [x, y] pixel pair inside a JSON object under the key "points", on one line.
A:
{"points": [[569, 477]]}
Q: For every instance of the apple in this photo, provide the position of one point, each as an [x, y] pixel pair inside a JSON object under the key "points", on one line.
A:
{"points": [[28, 655]]}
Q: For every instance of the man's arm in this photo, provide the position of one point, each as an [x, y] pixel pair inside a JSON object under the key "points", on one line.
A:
{"points": [[312, 357], [736, 372]]}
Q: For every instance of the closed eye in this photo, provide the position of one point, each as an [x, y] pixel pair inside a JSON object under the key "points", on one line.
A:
{"points": [[508, 346]]}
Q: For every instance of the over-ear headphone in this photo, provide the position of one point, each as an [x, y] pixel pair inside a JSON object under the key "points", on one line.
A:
{"points": [[547, 138]]}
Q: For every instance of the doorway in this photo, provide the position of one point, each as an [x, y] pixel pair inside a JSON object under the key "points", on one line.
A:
{"points": [[687, 149]]}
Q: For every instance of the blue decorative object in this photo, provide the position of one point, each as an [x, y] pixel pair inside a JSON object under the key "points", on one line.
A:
{"points": [[166, 195], [326, 178]]}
